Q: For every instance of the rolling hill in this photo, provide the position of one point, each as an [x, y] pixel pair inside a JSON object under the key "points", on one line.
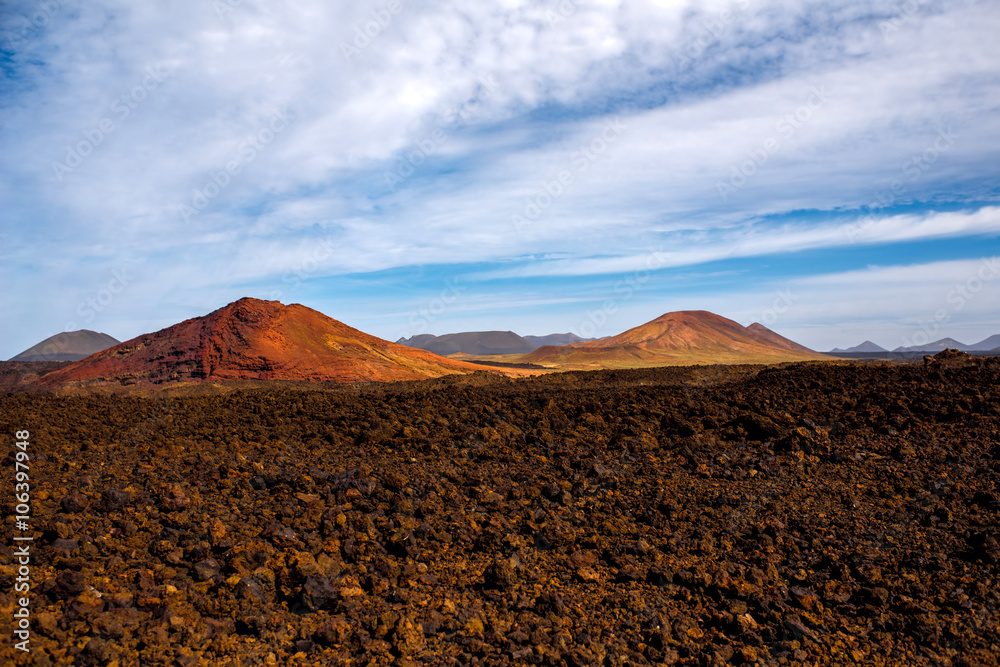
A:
{"points": [[555, 339], [471, 342], [252, 339], [866, 347], [678, 338], [990, 344], [937, 346], [67, 346], [485, 343]]}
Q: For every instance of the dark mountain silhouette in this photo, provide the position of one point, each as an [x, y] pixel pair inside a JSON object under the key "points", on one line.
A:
{"points": [[486, 343], [988, 344], [471, 342], [68, 346], [937, 346], [867, 347], [555, 339]]}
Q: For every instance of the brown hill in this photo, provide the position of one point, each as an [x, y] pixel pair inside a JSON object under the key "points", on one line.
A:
{"points": [[67, 346], [256, 340], [684, 337]]}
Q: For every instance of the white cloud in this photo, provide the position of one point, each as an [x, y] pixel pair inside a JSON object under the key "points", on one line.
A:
{"points": [[688, 249], [700, 87]]}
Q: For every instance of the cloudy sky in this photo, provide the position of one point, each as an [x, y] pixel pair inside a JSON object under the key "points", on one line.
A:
{"points": [[829, 168]]}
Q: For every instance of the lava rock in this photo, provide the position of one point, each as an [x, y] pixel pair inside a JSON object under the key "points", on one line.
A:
{"points": [[74, 502], [173, 498]]}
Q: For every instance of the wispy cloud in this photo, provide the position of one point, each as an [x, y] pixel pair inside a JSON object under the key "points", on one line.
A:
{"points": [[820, 116]]}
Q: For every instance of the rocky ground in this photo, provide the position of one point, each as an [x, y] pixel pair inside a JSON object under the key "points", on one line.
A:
{"points": [[805, 514], [21, 375]]}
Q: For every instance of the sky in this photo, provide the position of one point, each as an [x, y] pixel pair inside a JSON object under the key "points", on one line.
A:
{"points": [[827, 168]]}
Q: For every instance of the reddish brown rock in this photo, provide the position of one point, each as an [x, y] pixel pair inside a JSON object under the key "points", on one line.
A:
{"points": [[559, 520], [173, 498], [252, 339]]}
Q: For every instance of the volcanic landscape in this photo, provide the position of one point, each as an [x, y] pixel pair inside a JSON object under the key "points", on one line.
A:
{"points": [[266, 485]]}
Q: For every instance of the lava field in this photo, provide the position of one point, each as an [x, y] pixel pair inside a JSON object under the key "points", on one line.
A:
{"points": [[809, 513]]}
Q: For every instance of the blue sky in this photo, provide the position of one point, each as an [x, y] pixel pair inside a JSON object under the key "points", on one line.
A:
{"points": [[827, 168]]}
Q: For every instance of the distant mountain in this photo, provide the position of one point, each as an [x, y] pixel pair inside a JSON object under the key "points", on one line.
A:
{"points": [[555, 339], [938, 346], [486, 343], [252, 339], [417, 341], [471, 342], [68, 346], [684, 337], [989, 345], [867, 346]]}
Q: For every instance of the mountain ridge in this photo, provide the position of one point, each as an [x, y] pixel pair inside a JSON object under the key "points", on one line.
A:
{"points": [[937, 346], [485, 343], [866, 347], [471, 342]]}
